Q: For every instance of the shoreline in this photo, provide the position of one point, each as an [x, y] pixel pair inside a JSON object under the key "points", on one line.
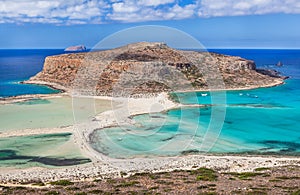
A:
{"points": [[104, 170], [54, 86], [105, 167], [67, 92], [39, 131], [277, 83]]}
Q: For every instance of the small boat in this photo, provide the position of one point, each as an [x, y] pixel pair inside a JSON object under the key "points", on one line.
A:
{"points": [[203, 94]]}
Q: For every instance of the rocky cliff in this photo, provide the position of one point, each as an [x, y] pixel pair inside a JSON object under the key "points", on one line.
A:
{"points": [[150, 68]]}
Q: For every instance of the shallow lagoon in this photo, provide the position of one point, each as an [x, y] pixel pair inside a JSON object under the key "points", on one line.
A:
{"points": [[46, 149], [48, 113], [261, 121], [39, 150]]}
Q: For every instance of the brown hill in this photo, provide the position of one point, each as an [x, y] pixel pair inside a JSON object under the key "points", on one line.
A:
{"points": [[143, 68]]}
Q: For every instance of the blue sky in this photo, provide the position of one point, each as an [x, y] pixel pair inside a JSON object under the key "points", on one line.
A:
{"points": [[215, 23]]}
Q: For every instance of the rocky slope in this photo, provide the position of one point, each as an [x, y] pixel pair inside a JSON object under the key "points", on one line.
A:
{"points": [[150, 68]]}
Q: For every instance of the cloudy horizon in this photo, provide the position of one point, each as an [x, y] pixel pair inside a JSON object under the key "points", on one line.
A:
{"points": [[70, 12], [217, 23]]}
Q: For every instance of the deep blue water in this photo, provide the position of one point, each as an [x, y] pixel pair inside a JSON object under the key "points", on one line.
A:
{"points": [[20, 65]]}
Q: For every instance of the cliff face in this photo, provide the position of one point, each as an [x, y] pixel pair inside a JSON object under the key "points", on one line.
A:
{"points": [[60, 69], [149, 68]]}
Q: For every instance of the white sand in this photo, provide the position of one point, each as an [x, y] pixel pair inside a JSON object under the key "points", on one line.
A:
{"points": [[104, 169], [119, 116], [29, 132], [103, 166]]}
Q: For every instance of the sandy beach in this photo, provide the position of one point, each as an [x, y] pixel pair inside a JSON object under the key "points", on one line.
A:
{"points": [[103, 166], [113, 168]]}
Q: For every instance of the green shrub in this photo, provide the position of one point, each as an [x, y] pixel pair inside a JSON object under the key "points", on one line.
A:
{"points": [[245, 175], [205, 174], [262, 169], [62, 183]]}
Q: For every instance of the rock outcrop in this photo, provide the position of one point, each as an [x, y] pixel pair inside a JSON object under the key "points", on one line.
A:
{"points": [[271, 73], [143, 68], [76, 48]]}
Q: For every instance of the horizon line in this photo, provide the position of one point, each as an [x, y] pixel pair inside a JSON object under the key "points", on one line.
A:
{"points": [[208, 48]]}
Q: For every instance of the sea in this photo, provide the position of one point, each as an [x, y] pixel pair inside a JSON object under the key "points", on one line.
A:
{"points": [[260, 121], [49, 150]]}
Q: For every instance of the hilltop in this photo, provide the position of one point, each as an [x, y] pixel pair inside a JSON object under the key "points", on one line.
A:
{"points": [[144, 67]]}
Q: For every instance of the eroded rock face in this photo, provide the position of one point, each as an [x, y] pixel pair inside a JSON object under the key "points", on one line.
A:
{"points": [[149, 68]]}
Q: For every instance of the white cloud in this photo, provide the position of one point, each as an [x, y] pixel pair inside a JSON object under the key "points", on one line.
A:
{"points": [[51, 11], [154, 2], [146, 10], [211, 8], [70, 12], [125, 7]]}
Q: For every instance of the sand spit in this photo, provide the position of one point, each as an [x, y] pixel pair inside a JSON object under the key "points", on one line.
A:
{"points": [[30, 132], [23, 98], [105, 167]]}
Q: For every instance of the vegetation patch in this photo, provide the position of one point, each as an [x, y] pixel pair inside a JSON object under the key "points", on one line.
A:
{"points": [[262, 169], [296, 192], [275, 180], [72, 188], [245, 175], [95, 191], [123, 174], [286, 177], [62, 183], [257, 192], [205, 174], [38, 184]]}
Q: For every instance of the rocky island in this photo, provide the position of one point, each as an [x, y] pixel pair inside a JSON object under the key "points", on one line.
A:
{"points": [[76, 48], [144, 67]]}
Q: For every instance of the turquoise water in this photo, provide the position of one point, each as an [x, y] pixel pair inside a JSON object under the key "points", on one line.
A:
{"points": [[46, 149], [36, 113], [48, 113], [261, 121], [40, 150]]}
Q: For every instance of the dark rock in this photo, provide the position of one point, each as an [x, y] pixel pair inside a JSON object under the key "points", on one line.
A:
{"points": [[271, 73]]}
